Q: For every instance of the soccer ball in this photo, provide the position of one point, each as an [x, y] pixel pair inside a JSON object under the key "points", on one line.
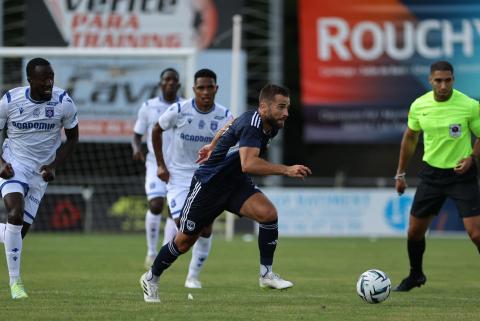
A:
{"points": [[373, 286]]}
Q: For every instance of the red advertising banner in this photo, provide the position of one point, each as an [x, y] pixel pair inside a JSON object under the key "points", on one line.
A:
{"points": [[344, 45], [363, 62]]}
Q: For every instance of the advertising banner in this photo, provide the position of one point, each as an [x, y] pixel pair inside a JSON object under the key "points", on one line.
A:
{"points": [[109, 91], [308, 212], [363, 62], [86, 23]]}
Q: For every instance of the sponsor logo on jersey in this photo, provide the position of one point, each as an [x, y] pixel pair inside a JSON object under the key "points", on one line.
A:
{"points": [[201, 124], [52, 103], [21, 110], [49, 112], [196, 138], [33, 125], [219, 117], [214, 125], [36, 112]]}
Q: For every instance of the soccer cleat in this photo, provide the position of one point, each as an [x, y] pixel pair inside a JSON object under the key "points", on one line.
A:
{"points": [[17, 290], [193, 283], [150, 289], [411, 282], [274, 281], [149, 261]]}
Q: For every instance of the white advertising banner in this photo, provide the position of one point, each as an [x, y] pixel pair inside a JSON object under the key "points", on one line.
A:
{"points": [[341, 212], [135, 23]]}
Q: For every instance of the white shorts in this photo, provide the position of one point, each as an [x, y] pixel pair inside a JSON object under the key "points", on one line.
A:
{"points": [[28, 182], [154, 186], [177, 191]]}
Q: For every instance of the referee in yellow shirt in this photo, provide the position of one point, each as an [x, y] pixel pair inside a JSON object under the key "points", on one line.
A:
{"points": [[447, 118]]}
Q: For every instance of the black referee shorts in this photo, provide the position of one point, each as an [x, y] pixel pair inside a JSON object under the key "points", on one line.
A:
{"points": [[437, 184], [207, 201]]}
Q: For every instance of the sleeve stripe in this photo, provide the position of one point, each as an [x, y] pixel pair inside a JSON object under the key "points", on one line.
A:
{"points": [[61, 96], [255, 120], [9, 98]]}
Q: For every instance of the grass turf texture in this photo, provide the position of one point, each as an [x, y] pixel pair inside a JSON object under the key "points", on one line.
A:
{"points": [[95, 277]]}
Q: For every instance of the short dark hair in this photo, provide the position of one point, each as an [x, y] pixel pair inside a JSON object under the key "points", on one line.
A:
{"points": [[164, 71], [35, 62], [207, 73], [269, 91], [441, 66]]}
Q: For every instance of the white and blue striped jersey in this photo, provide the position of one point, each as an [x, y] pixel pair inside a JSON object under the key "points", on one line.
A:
{"points": [[147, 117], [246, 131], [34, 127], [192, 129]]}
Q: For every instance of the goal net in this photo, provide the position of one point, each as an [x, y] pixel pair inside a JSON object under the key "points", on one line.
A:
{"points": [[100, 187]]}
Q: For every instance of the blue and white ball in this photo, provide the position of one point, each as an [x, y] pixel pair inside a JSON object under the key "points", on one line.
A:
{"points": [[373, 286]]}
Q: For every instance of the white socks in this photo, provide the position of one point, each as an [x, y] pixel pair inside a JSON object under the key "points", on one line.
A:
{"points": [[13, 250], [170, 231], [152, 228], [264, 269], [200, 252], [3, 227]]}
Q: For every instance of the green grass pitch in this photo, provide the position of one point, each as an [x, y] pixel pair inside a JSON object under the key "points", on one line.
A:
{"points": [[95, 277]]}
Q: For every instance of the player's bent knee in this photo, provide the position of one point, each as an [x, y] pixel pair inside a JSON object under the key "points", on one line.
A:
{"points": [[156, 206], [184, 242], [268, 214]]}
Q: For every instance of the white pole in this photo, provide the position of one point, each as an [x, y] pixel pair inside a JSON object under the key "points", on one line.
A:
{"points": [[236, 47]]}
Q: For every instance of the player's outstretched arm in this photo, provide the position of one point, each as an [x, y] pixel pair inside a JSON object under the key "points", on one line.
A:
{"points": [[65, 150], [206, 150], [137, 148], [407, 149], [157, 142], [252, 163]]}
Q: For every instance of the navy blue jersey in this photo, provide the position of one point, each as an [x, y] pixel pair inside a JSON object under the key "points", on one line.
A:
{"points": [[246, 131]]}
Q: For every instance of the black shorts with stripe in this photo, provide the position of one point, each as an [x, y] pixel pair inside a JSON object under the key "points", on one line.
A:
{"points": [[437, 184], [206, 201]]}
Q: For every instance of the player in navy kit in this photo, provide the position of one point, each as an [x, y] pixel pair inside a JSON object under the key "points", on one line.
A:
{"points": [[222, 183]]}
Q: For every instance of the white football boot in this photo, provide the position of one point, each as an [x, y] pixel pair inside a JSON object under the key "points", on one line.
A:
{"points": [[274, 281], [193, 283], [150, 289]]}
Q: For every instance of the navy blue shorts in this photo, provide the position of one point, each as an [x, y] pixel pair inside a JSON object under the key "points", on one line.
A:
{"points": [[206, 201]]}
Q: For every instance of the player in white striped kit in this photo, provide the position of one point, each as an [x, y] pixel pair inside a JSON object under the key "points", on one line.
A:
{"points": [[155, 188], [33, 117], [194, 123]]}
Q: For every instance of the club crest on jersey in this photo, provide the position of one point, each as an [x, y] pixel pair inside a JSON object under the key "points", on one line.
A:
{"points": [[173, 203], [36, 112], [455, 130], [214, 125], [201, 124], [49, 112]]}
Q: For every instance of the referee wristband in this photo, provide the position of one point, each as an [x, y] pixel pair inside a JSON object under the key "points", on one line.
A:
{"points": [[399, 176]]}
